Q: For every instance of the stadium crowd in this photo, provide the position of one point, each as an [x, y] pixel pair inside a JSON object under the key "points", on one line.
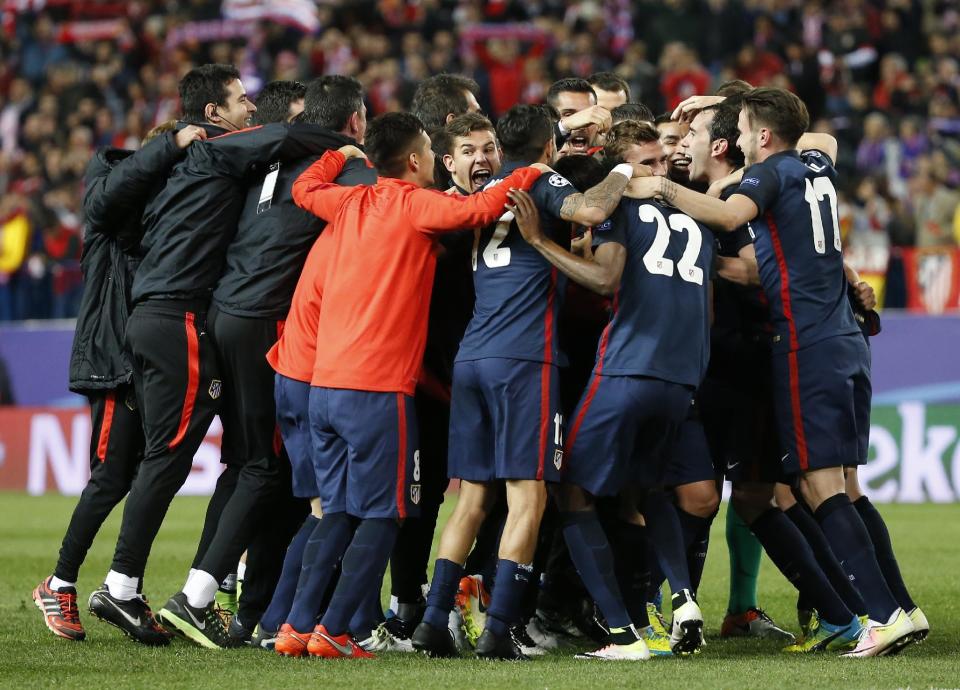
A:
{"points": [[882, 75]]}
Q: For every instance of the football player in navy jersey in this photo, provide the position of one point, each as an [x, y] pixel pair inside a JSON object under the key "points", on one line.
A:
{"points": [[654, 262], [789, 200], [506, 423]]}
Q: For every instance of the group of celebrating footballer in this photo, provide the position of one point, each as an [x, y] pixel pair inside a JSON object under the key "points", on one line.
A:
{"points": [[372, 309]]}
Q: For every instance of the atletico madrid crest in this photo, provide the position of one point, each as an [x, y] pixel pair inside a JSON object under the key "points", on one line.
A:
{"points": [[557, 458], [216, 386], [415, 494]]}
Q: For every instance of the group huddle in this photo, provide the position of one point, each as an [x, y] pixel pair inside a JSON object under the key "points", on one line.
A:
{"points": [[588, 315]]}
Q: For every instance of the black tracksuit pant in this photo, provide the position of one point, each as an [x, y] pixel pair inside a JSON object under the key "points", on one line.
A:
{"points": [[116, 449], [178, 386], [256, 486]]}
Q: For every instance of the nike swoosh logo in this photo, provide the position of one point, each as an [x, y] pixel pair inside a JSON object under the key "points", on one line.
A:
{"points": [[826, 642], [346, 650], [198, 624], [784, 458], [130, 619], [730, 465]]}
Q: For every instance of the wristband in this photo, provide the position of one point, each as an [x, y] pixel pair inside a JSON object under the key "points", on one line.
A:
{"points": [[624, 169], [563, 130]]}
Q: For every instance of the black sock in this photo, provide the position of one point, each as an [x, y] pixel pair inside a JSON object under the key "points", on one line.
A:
{"points": [[696, 539], [592, 556], [629, 543], [664, 530], [793, 556], [850, 541], [817, 540], [880, 537]]}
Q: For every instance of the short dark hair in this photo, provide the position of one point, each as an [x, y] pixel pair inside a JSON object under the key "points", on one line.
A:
{"points": [[609, 81], [733, 87], [274, 99], [779, 110], [202, 85], [389, 140], [724, 126], [524, 131], [569, 84], [625, 134], [632, 111], [441, 95], [663, 118], [331, 100], [463, 126], [583, 171]]}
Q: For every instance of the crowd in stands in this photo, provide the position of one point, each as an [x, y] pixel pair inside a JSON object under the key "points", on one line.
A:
{"points": [[882, 75]]}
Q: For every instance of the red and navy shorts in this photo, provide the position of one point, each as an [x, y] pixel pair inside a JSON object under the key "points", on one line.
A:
{"points": [[688, 459], [505, 421], [366, 455], [816, 391], [622, 432]]}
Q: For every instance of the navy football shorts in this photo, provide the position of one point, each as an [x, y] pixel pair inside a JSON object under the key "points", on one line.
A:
{"points": [[688, 458], [622, 430], [741, 427], [365, 452], [293, 419], [505, 421], [815, 392]]}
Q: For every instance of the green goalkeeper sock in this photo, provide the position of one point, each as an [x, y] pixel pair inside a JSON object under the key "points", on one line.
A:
{"points": [[745, 552]]}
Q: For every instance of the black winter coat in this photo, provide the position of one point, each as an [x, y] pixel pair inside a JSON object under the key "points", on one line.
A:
{"points": [[118, 184]]}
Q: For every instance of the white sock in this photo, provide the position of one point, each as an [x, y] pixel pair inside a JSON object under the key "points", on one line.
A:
{"points": [[58, 584], [122, 587], [200, 589], [229, 583], [241, 570]]}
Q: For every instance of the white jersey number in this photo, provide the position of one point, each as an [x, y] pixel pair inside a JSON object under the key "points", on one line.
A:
{"points": [[820, 189], [495, 256], [654, 259]]}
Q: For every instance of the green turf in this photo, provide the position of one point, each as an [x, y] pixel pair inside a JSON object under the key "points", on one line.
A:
{"points": [[31, 528]]}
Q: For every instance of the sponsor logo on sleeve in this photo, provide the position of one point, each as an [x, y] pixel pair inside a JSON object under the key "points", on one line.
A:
{"points": [[751, 181]]}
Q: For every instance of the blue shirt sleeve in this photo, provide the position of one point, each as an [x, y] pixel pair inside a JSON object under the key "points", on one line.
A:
{"points": [[550, 191], [819, 162], [613, 229], [761, 185]]}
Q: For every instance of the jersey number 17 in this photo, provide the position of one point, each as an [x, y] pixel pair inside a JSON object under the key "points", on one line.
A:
{"points": [[822, 188]]}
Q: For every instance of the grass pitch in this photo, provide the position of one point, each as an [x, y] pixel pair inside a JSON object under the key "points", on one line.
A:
{"points": [[926, 537]]}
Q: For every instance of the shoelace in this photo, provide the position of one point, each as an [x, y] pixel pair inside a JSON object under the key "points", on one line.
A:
{"points": [[154, 625], [68, 606]]}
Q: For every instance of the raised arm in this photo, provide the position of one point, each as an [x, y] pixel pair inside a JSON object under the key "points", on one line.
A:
{"points": [[723, 215], [431, 211], [314, 190], [125, 187], [820, 142], [602, 274], [595, 205]]}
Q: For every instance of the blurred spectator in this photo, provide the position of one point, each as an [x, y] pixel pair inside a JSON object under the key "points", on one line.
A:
{"points": [[882, 75]]}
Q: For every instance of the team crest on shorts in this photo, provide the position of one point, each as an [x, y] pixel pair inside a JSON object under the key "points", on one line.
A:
{"points": [[216, 387], [415, 494], [557, 458], [131, 401]]}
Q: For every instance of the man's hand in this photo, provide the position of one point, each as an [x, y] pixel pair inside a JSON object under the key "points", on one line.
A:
{"points": [[641, 170], [583, 246], [188, 135], [643, 188], [688, 108], [716, 188], [350, 151], [594, 115], [526, 214], [865, 295]]}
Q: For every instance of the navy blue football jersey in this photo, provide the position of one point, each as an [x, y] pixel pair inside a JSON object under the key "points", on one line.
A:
{"points": [[660, 324], [797, 240], [518, 292]]}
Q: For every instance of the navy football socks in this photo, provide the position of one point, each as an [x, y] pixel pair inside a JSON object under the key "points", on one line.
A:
{"points": [[364, 564], [793, 556], [282, 599], [664, 530], [443, 590], [696, 538], [831, 567], [512, 581], [591, 554], [629, 543], [320, 556], [880, 537], [850, 541]]}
